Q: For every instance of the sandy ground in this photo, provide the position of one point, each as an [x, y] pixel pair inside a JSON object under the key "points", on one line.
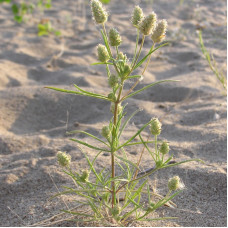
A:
{"points": [[34, 120]]}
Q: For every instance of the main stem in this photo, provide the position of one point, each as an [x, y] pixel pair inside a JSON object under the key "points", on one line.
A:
{"points": [[112, 154]]}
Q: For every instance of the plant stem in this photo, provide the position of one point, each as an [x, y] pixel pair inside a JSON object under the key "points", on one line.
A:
{"points": [[137, 82], [136, 47]]}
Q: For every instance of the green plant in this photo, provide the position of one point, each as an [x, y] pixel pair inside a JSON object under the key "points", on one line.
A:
{"points": [[47, 29], [20, 10], [212, 63], [118, 198]]}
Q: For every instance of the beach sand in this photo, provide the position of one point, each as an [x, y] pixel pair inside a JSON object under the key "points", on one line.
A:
{"points": [[34, 120]]}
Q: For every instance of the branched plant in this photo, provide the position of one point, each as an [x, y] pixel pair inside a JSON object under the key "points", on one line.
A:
{"points": [[119, 199], [212, 63]]}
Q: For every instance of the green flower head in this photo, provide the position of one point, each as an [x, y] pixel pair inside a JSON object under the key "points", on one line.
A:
{"points": [[159, 32], [113, 81], [175, 183], [105, 132], [84, 176], [137, 16], [155, 126], [99, 13], [102, 52], [63, 159], [164, 148], [114, 37], [147, 25]]}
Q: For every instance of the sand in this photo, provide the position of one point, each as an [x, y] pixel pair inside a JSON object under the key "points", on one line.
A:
{"points": [[34, 120]]}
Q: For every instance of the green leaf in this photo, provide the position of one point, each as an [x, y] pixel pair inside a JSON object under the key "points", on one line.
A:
{"points": [[77, 93], [138, 132], [125, 160], [178, 163], [126, 122], [156, 219], [134, 76], [77, 213], [90, 146], [147, 87], [58, 33], [149, 53], [105, 1], [18, 19], [90, 135], [101, 63], [15, 9], [91, 94]]}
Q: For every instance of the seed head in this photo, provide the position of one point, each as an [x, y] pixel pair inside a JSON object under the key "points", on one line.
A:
{"points": [[122, 56], [155, 126], [147, 25], [159, 32], [137, 16], [159, 163], [63, 159], [113, 80], [99, 13], [174, 183], [164, 148], [84, 176], [126, 71], [112, 97], [114, 37], [105, 132], [102, 52]]}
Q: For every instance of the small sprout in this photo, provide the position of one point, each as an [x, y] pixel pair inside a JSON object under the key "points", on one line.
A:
{"points": [[114, 37], [113, 81], [102, 52], [147, 25], [99, 13], [137, 16], [175, 183], [63, 159], [105, 132], [155, 126], [84, 176], [164, 148], [159, 32], [119, 108]]}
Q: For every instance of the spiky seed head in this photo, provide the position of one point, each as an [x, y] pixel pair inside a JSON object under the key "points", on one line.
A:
{"points": [[63, 159], [99, 13], [164, 148], [174, 183], [113, 80], [122, 56], [119, 108], [114, 37], [102, 52], [147, 25], [126, 71], [155, 126], [84, 176], [137, 16], [159, 32], [105, 132]]}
